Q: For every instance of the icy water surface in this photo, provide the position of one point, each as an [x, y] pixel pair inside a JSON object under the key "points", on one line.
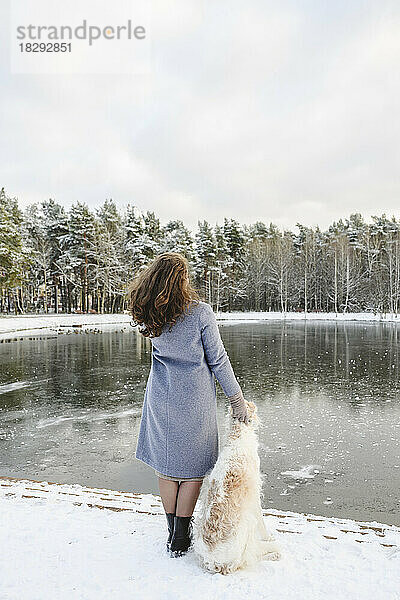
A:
{"points": [[327, 394]]}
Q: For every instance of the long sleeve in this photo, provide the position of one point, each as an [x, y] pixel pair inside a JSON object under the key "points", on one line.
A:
{"points": [[215, 353]]}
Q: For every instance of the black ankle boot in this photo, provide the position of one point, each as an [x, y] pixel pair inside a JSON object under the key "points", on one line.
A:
{"points": [[182, 536], [170, 521]]}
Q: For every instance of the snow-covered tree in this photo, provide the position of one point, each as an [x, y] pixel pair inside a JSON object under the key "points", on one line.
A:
{"points": [[15, 256], [235, 241], [78, 258], [56, 229], [205, 259], [84, 260], [177, 238]]}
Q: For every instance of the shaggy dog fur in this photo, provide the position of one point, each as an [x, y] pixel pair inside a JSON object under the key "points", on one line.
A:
{"points": [[229, 533]]}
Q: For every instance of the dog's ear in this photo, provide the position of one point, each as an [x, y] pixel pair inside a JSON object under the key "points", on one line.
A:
{"points": [[251, 408], [252, 413]]}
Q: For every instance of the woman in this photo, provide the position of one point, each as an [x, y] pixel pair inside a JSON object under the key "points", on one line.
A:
{"points": [[178, 434]]}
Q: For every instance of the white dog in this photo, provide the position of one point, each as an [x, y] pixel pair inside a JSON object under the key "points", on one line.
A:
{"points": [[229, 532]]}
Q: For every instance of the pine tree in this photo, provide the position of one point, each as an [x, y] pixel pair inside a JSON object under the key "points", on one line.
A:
{"points": [[15, 258], [204, 263], [78, 257], [34, 228], [56, 231], [108, 258], [235, 242], [177, 238], [142, 239]]}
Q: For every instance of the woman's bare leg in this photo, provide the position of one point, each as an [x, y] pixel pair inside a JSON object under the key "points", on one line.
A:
{"points": [[187, 497], [168, 492]]}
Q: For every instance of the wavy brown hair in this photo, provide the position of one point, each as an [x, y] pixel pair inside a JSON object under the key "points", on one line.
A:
{"points": [[161, 293]]}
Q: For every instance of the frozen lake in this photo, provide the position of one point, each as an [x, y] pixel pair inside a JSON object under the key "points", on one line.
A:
{"points": [[327, 394]]}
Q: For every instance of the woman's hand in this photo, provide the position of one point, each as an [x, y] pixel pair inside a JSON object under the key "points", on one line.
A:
{"points": [[239, 408]]}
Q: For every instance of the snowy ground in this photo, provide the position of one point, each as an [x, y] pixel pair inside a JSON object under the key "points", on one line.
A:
{"points": [[17, 327], [70, 542]]}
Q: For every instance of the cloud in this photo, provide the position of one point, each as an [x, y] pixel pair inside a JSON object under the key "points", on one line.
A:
{"points": [[280, 112]]}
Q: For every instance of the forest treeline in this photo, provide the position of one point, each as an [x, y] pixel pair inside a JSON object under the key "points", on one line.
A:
{"points": [[57, 260]]}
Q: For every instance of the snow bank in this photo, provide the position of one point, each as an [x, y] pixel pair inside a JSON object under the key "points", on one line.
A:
{"points": [[18, 327], [71, 542], [310, 316]]}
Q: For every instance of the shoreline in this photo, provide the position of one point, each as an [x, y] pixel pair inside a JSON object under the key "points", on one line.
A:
{"points": [[105, 543], [16, 327]]}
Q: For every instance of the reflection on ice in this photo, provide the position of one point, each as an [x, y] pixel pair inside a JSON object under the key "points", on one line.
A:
{"points": [[16, 385], [306, 472], [89, 417]]}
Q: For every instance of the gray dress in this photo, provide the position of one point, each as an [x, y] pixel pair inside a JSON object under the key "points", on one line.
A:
{"points": [[178, 433]]}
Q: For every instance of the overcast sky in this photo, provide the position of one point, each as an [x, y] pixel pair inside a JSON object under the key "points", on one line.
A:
{"points": [[260, 111]]}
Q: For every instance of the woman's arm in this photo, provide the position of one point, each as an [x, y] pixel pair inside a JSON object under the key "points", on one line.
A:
{"points": [[219, 363]]}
